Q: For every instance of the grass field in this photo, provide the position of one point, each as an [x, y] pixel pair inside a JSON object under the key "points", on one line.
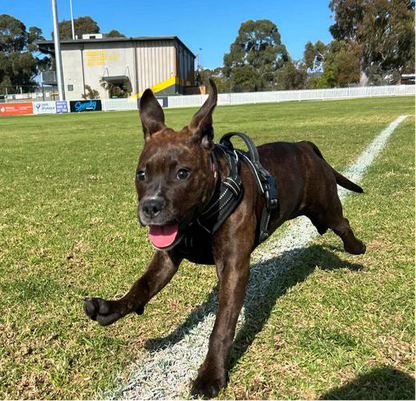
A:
{"points": [[335, 327]]}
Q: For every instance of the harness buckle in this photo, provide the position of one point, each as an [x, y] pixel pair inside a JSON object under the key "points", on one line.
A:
{"points": [[270, 193], [263, 236]]}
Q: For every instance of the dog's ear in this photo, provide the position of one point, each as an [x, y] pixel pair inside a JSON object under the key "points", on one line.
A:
{"points": [[201, 123], [151, 114]]}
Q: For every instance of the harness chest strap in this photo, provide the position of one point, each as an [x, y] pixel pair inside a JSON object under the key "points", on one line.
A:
{"points": [[229, 192], [227, 196]]}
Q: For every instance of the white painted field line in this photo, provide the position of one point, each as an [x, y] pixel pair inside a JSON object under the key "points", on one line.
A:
{"points": [[170, 365]]}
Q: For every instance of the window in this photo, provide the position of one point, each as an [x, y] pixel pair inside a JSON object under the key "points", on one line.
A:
{"points": [[70, 88]]}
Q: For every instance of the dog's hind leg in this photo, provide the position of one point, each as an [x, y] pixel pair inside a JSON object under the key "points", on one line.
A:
{"points": [[159, 272], [335, 220], [351, 243], [331, 216]]}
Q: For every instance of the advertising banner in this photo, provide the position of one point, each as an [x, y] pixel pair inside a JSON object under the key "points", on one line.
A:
{"points": [[44, 108], [79, 106], [61, 106], [15, 109]]}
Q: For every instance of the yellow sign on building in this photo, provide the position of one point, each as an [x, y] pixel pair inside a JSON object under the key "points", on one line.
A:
{"points": [[98, 57]]}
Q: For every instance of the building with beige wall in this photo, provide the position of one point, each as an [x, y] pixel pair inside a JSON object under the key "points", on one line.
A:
{"points": [[164, 64]]}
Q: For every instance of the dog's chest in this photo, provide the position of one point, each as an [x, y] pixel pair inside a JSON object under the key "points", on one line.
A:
{"points": [[196, 245]]}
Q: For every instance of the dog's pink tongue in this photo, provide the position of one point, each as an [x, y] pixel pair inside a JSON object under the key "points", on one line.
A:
{"points": [[163, 236]]}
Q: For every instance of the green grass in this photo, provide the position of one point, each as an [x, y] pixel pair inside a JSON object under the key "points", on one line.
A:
{"points": [[336, 326]]}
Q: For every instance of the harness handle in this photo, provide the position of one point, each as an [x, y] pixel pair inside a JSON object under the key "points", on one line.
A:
{"points": [[252, 149], [264, 179]]}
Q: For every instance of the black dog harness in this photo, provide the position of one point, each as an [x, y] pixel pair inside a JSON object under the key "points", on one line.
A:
{"points": [[264, 180], [228, 195]]}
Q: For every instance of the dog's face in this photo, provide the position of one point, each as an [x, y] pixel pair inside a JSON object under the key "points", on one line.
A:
{"points": [[174, 176]]}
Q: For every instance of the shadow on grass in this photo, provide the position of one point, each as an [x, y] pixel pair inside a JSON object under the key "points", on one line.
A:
{"points": [[384, 383], [269, 280]]}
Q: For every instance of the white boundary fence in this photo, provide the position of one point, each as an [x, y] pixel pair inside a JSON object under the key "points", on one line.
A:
{"points": [[198, 100], [299, 95], [119, 104], [123, 104]]}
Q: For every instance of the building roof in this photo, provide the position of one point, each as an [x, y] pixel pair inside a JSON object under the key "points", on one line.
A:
{"points": [[47, 46]]}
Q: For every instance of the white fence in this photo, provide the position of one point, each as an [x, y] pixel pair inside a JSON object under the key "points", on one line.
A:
{"points": [[118, 104], [299, 95], [198, 100]]}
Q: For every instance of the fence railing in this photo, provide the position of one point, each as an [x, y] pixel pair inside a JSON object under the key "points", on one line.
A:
{"points": [[198, 100], [119, 104], [298, 95]]}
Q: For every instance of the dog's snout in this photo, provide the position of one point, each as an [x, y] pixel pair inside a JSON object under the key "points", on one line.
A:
{"points": [[152, 207]]}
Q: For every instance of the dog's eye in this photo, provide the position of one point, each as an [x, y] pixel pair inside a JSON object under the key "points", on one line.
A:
{"points": [[182, 174], [141, 175]]}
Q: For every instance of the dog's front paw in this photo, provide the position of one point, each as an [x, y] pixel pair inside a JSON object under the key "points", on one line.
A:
{"points": [[104, 312], [207, 385]]}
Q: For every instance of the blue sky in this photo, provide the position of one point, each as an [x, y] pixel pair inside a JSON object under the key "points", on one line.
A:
{"points": [[207, 27]]}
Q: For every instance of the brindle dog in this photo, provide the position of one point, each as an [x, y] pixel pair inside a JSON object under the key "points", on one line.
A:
{"points": [[176, 179]]}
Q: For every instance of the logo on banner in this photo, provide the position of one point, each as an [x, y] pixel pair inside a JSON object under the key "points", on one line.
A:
{"points": [[44, 108], [81, 106], [85, 105], [16, 109]]}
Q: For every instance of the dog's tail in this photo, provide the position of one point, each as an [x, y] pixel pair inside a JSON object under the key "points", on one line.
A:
{"points": [[341, 180], [346, 183]]}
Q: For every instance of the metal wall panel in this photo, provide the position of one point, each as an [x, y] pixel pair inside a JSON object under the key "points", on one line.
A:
{"points": [[156, 62], [186, 66]]}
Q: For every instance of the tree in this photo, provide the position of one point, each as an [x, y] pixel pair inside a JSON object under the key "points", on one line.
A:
{"points": [[91, 93], [82, 25], [314, 55], [341, 66], [291, 76], [245, 78], [255, 56], [115, 34], [18, 62], [202, 78], [382, 31]]}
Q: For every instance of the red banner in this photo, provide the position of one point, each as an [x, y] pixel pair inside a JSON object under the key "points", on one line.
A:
{"points": [[15, 109]]}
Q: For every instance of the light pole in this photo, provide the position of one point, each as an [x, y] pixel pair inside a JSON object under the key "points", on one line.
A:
{"points": [[72, 20], [58, 57], [199, 64]]}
